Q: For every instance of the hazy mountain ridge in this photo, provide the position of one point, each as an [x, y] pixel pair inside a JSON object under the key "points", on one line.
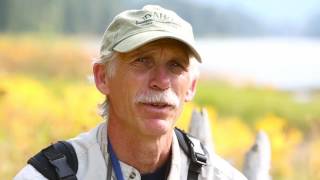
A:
{"points": [[92, 17]]}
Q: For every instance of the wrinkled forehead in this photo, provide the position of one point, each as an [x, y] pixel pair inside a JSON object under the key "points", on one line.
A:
{"points": [[171, 42], [178, 48]]}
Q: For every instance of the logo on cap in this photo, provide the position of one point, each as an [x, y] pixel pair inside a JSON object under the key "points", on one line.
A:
{"points": [[152, 17]]}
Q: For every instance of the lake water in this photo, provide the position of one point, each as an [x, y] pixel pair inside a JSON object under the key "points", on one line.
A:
{"points": [[292, 64], [289, 64]]}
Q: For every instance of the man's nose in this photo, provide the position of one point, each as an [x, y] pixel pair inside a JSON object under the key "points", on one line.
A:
{"points": [[160, 79]]}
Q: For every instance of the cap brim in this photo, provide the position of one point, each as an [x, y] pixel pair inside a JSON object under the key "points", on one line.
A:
{"points": [[140, 39]]}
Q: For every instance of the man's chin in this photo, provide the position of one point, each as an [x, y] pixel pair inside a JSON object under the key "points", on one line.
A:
{"points": [[158, 127]]}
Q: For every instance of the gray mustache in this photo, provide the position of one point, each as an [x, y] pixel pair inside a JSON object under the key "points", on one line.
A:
{"points": [[167, 97]]}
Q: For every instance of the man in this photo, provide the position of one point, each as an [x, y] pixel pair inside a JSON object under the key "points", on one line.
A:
{"points": [[147, 70]]}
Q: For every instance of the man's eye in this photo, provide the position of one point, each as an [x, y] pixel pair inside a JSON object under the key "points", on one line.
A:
{"points": [[141, 59], [175, 64], [176, 67], [142, 62]]}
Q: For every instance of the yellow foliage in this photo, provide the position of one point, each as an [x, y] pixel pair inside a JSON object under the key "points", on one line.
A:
{"points": [[54, 58], [314, 159], [284, 140], [80, 105], [185, 117], [32, 116], [232, 139], [212, 115]]}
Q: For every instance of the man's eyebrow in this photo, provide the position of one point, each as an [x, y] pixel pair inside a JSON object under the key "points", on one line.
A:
{"points": [[184, 62], [142, 51]]}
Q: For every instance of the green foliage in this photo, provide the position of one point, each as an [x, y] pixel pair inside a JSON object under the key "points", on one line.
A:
{"points": [[57, 16], [250, 102], [92, 17]]}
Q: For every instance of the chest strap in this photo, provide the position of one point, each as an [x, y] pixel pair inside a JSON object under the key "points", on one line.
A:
{"points": [[194, 150], [56, 162]]}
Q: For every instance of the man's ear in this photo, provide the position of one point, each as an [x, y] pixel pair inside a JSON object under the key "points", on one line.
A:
{"points": [[100, 78], [191, 91]]}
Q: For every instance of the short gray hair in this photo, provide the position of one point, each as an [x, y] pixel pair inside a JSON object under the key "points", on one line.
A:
{"points": [[194, 68], [110, 61]]}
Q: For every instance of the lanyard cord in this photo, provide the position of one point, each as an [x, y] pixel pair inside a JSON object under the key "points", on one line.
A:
{"points": [[115, 162]]}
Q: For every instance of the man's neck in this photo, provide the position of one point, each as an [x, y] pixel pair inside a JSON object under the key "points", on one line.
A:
{"points": [[145, 153]]}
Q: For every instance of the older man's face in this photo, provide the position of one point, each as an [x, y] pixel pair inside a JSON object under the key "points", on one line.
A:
{"points": [[150, 86]]}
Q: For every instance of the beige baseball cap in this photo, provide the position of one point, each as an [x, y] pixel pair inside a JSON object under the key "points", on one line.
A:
{"points": [[132, 29]]}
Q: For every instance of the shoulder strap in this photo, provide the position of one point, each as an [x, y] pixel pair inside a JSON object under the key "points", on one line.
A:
{"points": [[56, 162], [193, 148]]}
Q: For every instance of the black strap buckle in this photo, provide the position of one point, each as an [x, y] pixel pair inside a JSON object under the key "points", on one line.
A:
{"points": [[199, 158], [63, 170], [197, 154], [195, 151], [59, 161]]}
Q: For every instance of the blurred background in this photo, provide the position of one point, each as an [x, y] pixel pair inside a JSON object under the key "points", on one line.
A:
{"points": [[260, 72]]}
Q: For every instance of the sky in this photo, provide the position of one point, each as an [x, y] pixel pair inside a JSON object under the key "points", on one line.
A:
{"points": [[273, 11]]}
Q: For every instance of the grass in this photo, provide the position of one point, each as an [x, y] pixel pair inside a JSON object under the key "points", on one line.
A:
{"points": [[250, 103]]}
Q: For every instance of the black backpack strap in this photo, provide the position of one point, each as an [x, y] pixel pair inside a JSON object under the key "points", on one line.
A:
{"points": [[56, 162], [193, 148]]}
